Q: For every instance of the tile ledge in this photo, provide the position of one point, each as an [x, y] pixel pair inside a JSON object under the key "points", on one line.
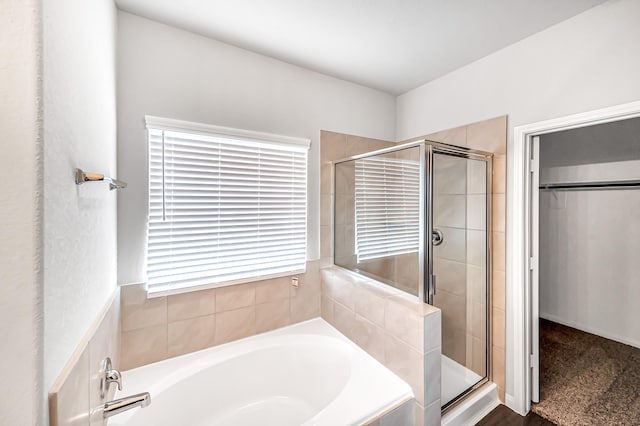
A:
{"points": [[383, 290]]}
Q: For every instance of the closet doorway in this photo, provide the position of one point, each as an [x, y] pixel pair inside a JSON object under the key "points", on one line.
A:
{"points": [[585, 277]]}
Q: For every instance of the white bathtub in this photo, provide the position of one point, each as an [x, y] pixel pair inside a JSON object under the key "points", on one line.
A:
{"points": [[303, 374]]}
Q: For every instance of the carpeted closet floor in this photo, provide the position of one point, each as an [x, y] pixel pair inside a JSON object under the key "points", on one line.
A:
{"points": [[586, 379]]}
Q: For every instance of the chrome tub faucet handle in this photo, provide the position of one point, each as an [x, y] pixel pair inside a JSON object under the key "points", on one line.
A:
{"points": [[109, 375]]}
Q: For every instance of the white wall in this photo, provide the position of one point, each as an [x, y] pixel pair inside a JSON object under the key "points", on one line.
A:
{"points": [[172, 73], [79, 39], [588, 62], [584, 63], [20, 214], [590, 240]]}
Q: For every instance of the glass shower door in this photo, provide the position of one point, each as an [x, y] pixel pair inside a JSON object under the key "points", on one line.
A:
{"points": [[459, 266]]}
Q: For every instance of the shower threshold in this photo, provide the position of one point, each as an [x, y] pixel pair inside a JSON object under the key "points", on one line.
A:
{"points": [[456, 379]]}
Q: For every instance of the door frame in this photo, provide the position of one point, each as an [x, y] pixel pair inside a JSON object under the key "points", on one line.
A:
{"points": [[519, 345]]}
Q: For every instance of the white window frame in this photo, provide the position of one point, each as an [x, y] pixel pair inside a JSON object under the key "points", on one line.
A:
{"points": [[167, 124]]}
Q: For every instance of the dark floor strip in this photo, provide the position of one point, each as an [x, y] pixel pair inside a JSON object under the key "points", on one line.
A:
{"points": [[503, 416]]}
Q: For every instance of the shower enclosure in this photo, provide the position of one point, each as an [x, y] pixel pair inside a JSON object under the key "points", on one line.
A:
{"points": [[417, 217]]}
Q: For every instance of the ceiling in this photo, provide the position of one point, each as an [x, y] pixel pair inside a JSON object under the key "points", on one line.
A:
{"points": [[390, 45]]}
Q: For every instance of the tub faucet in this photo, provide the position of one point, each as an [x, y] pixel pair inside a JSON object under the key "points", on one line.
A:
{"points": [[121, 405]]}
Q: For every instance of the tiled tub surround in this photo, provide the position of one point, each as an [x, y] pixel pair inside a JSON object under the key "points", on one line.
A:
{"points": [[303, 374], [74, 398], [157, 328], [395, 328]]}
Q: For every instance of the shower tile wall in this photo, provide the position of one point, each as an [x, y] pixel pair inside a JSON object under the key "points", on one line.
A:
{"points": [[489, 135], [336, 146], [157, 328]]}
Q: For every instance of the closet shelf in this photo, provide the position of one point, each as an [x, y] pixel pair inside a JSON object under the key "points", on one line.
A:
{"points": [[620, 184]]}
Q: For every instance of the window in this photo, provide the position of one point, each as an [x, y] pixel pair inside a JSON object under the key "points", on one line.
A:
{"points": [[387, 207], [225, 205]]}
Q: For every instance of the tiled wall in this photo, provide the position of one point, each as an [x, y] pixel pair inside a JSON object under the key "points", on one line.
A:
{"points": [[490, 136], [75, 397], [395, 328], [157, 328]]}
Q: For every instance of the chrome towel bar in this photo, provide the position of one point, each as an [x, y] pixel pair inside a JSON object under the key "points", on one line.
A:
{"points": [[82, 177]]}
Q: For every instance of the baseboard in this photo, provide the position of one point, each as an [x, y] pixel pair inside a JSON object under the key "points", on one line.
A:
{"points": [[593, 330]]}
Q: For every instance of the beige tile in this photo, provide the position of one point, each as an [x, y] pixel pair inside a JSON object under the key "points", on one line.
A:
{"points": [[498, 217], [332, 146], [356, 145], [411, 303], [376, 144], [236, 324], [479, 356], [342, 290], [450, 175], [419, 409], [498, 289], [326, 186], [191, 335], [401, 416], [407, 363], [454, 245], [404, 324], [456, 136], [272, 315], [498, 368], [454, 311], [344, 178], [190, 305], [235, 296], [272, 290], [499, 174], [432, 376], [326, 212], [344, 319], [479, 320], [476, 247], [70, 405], [433, 331], [344, 209], [449, 210], [369, 337], [477, 211], [489, 135], [305, 300], [105, 342], [477, 283], [477, 177], [326, 309], [370, 303], [498, 328], [498, 254], [451, 276], [454, 343], [326, 241], [143, 346], [138, 311], [432, 414]]}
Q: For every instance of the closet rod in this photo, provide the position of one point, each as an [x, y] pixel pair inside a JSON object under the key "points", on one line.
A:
{"points": [[628, 184]]}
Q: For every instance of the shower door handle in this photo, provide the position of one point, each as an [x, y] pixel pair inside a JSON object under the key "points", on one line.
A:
{"points": [[432, 284]]}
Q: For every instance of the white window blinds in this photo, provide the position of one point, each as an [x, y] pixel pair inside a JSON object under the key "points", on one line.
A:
{"points": [[387, 206], [224, 208]]}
